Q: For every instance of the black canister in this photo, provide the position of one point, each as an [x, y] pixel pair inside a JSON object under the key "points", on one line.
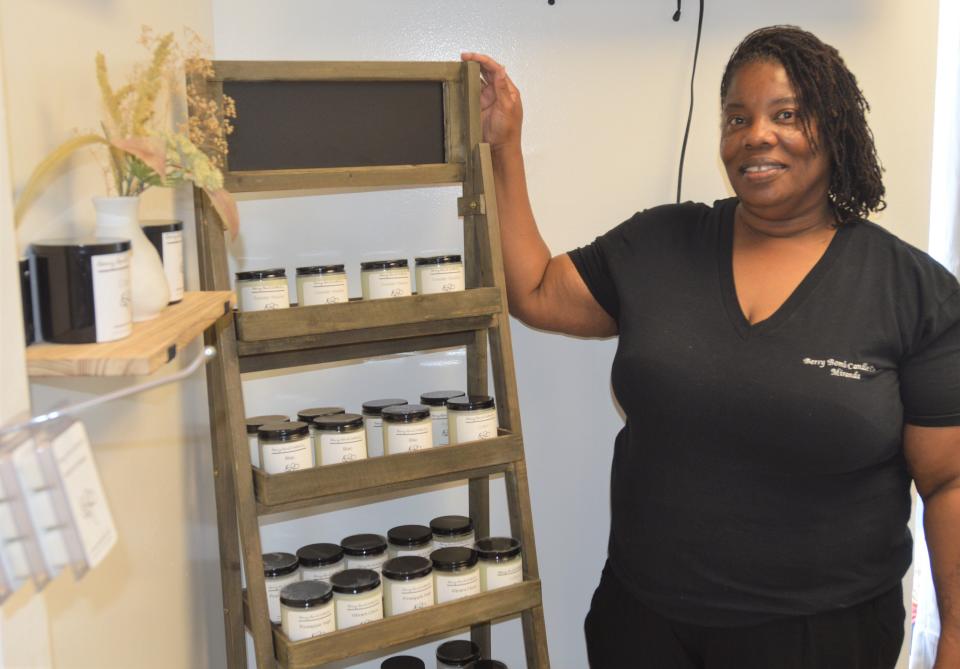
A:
{"points": [[83, 289]]}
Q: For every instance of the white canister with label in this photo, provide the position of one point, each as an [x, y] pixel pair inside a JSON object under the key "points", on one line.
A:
{"points": [[307, 610], [340, 438], [451, 531], [279, 570], [437, 401], [167, 238], [406, 429], [439, 274], [380, 279], [410, 540], [456, 573], [373, 423], [254, 423], [365, 551], [500, 562], [262, 290], [308, 415], [407, 584], [472, 418], [318, 562], [285, 447], [357, 597], [321, 284]]}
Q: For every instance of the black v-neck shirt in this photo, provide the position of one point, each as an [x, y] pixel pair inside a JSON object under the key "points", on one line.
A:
{"points": [[760, 472]]}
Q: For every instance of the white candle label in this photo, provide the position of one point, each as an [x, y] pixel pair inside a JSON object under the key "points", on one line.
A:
{"points": [[322, 289], [499, 575], [475, 425], [321, 573], [173, 263], [352, 612], [387, 283], [408, 437], [406, 596], [441, 436], [440, 279], [254, 450], [457, 585], [301, 624], [112, 306], [374, 562], [374, 429], [287, 456], [342, 447], [466, 541], [274, 586], [265, 295]]}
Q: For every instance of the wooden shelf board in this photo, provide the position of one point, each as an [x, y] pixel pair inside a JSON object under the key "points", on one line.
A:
{"points": [[343, 177], [372, 319], [152, 344], [374, 476], [421, 625]]}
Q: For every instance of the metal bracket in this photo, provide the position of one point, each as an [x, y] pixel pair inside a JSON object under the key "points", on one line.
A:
{"points": [[472, 205]]}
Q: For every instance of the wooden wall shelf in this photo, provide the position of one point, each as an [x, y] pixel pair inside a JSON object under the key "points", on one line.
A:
{"points": [[153, 343]]}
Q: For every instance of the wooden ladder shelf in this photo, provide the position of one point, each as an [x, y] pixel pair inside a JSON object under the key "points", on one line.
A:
{"points": [[476, 318]]}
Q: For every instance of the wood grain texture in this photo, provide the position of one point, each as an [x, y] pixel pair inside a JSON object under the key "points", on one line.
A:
{"points": [[375, 476], [288, 70], [153, 343], [343, 177], [366, 315]]}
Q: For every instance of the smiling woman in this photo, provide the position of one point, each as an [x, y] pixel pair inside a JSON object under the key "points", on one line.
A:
{"points": [[759, 499]]}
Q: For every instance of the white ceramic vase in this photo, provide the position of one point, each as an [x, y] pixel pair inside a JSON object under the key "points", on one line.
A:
{"points": [[120, 217]]}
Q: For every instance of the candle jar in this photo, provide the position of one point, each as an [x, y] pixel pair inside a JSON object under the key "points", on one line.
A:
{"points": [[456, 573], [472, 418], [407, 584], [253, 424], [457, 654], [406, 428], [261, 290], [452, 531], [167, 238], [285, 447], [279, 570], [500, 562], [439, 274], [486, 664], [403, 662], [308, 415], [321, 284], [373, 423], [340, 438], [357, 597], [365, 551], [410, 540], [437, 401], [385, 278], [306, 610], [318, 562]]}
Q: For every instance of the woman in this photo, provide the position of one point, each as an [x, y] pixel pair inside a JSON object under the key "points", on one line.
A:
{"points": [[785, 367]]}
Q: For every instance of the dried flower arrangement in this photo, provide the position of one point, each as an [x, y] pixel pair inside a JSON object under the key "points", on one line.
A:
{"points": [[144, 149]]}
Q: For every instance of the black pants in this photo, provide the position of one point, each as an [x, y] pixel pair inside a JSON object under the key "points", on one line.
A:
{"points": [[623, 634]]}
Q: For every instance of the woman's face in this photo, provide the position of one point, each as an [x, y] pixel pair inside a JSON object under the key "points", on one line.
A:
{"points": [[771, 166]]}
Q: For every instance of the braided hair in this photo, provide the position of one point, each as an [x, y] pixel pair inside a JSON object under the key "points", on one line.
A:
{"points": [[829, 98]]}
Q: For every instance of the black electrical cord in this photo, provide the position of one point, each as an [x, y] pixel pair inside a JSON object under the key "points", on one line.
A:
{"points": [[693, 75]]}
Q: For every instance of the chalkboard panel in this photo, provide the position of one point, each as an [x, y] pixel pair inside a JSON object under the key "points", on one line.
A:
{"points": [[287, 125]]}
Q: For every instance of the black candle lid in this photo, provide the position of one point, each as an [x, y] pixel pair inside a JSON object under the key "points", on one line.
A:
{"points": [[458, 652], [278, 564], [496, 549], [319, 269], [161, 226], [82, 245], [453, 558], [402, 662], [355, 581], [376, 407], [486, 664], [439, 398], [256, 274], [306, 594], [437, 260], [451, 525], [470, 402], [410, 536], [307, 415], [383, 264], [406, 568], [254, 422], [361, 545], [319, 555], [340, 422], [288, 431], [405, 413]]}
